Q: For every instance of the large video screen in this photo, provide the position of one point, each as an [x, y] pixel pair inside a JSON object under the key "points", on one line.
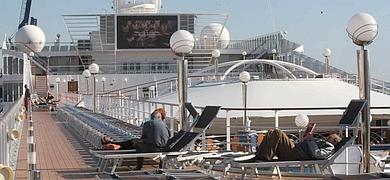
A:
{"points": [[136, 32]]}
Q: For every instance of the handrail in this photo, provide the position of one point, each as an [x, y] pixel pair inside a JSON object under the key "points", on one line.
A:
{"points": [[11, 123], [135, 112]]}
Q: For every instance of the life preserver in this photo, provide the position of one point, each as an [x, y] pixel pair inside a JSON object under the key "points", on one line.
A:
{"points": [[13, 134], [6, 173]]}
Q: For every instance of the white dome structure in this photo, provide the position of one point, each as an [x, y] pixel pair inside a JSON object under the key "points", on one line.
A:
{"points": [[213, 33], [30, 38]]}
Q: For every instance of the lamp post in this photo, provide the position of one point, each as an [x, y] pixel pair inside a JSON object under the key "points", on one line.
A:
{"points": [[94, 69], [327, 52], [362, 29], [181, 43], [215, 54], [244, 78], [103, 80], [87, 74], [243, 55], [58, 80], [273, 51]]}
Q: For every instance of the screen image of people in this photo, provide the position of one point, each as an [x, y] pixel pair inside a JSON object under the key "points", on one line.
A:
{"points": [[135, 32]]}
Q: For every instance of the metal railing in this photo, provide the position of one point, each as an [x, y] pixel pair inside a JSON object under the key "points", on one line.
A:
{"points": [[11, 124], [135, 112]]}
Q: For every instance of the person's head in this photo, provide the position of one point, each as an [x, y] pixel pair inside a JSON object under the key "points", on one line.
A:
{"points": [[333, 138], [155, 115], [162, 112], [25, 86]]}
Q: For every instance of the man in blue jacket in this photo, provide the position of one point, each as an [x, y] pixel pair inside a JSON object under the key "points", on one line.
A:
{"points": [[155, 135]]}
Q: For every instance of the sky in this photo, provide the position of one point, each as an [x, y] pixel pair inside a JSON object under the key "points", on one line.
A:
{"points": [[301, 19]]}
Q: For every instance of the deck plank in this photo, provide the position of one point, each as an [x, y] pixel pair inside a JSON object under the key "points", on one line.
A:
{"points": [[60, 155]]}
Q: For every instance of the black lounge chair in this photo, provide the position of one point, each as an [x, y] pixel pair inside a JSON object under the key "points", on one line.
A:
{"points": [[348, 120], [175, 146]]}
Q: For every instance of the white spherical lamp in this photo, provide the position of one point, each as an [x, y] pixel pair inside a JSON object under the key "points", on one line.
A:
{"points": [[86, 73], [93, 68], [103, 79], [244, 76], [182, 42], [273, 51], [362, 29], [301, 120], [58, 80], [327, 52], [30, 38], [244, 53], [125, 80], [214, 36], [215, 53]]}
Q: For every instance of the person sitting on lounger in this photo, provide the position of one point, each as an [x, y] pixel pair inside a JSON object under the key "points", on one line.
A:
{"points": [[276, 143], [155, 135]]}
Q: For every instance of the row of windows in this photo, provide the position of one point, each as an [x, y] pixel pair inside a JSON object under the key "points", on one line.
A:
{"points": [[12, 65], [11, 92]]}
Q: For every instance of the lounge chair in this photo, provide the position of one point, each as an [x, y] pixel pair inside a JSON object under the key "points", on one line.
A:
{"points": [[348, 120], [175, 146]]}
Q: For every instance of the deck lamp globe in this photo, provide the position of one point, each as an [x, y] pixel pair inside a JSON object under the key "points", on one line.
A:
{"points": [[243, 55], [215, 54], [181, 43], [103, 81], [301, 120], [58, 80], [94, 69], [244, 78], [273, 52], [362, 29], [327, 52], [86, 75]]}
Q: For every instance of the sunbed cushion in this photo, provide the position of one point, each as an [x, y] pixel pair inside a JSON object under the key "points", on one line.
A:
{"points": [[208, 115], [352, 111], [185, 140]]}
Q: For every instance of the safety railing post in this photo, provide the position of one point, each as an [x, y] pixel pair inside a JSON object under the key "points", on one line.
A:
{"points": [[227, 130], [276, 118]]}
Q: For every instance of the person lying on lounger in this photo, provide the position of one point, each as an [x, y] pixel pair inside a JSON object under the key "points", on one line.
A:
{"points": [[276, 143], [155, 135]]}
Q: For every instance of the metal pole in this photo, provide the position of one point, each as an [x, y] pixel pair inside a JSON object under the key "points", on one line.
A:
{"points": [[327, 65], [58, 90], [216, 69], [364, 93], [182, 92], [103, 86], [86, 79], [94, 93], [244, 99]]}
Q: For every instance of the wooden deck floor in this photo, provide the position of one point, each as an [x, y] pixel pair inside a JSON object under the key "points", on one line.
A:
{"points": [[59, 154]]}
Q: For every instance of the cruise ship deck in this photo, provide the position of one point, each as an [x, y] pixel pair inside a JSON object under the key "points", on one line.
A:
{"points": [[62, 155], [118, 67]]}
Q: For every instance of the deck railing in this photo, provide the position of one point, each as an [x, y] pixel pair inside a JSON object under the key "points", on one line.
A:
{"points": [[135, 112], [11, 124]]}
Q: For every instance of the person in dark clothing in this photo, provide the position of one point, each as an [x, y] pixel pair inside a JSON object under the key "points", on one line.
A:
{"points": [[155, 135], [276, 143], [27, 97]]}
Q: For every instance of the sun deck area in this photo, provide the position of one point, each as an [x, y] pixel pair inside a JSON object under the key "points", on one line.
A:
{"points": [[63, 154]]}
